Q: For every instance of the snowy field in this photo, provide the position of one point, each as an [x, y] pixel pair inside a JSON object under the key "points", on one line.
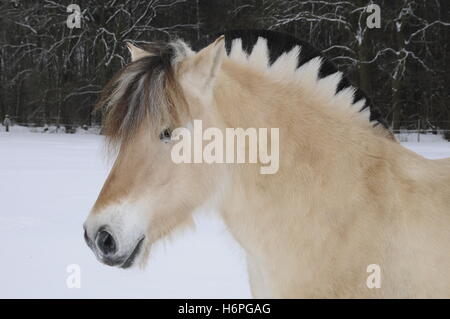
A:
{"points": [[48, 183]]}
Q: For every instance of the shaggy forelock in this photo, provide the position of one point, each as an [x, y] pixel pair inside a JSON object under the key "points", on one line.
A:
{"points": [[144, 91]]}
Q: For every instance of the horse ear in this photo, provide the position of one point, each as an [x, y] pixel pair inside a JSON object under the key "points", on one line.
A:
{"points": [[205, 64], [136, 53]]}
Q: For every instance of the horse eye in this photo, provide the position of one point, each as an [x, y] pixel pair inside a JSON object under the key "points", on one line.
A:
{"points": [[165, 135]]}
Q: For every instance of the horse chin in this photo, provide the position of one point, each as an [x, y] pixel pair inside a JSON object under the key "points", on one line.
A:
{"points": [[135, 254]]}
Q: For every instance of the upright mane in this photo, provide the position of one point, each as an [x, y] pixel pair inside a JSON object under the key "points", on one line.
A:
{"points": [[280, 43], [147, 90]]}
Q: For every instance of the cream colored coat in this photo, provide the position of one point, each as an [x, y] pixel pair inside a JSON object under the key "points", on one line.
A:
{"points": [[346, 196]]}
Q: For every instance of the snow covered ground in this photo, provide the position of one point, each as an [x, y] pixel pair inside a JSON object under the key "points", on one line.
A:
{"points": [[48, 182]]}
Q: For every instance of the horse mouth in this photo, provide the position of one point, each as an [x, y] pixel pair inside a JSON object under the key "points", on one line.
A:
{"points": [[132, 257]]}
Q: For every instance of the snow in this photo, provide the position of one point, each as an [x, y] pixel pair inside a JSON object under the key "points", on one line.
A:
{"points": [[48, 183], [430, 145]]}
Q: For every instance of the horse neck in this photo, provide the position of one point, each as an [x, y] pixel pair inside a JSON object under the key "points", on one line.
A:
{"points": [[246, 97], [319, 144]]}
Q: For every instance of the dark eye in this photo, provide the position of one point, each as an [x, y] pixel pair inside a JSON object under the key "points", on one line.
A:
{"points": [[165, 135]]}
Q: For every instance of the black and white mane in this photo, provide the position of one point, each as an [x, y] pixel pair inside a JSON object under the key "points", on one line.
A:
{"points": [[147, 87], [279, 43]]}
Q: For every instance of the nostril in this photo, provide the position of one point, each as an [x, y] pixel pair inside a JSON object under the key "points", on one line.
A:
{"points": [[105, 243]]}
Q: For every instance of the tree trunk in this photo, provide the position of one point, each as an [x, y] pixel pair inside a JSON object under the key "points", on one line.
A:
{"points": [[397, 78], [364, 68]]}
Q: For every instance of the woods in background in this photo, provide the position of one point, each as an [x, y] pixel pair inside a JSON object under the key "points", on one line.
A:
{"points": [[50, 73]]}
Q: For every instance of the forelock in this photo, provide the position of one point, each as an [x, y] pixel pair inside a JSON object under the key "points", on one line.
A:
{"points": [[144, 92]]}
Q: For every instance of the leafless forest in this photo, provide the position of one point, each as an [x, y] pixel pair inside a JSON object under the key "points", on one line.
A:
{"points": [[50, 73]]}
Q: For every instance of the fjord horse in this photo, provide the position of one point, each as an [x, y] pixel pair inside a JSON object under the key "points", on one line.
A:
{"points": [[346, 195]]}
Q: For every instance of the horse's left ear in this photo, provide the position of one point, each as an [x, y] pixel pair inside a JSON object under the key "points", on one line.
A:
{"points": [[205, 64], [136, 53]]}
